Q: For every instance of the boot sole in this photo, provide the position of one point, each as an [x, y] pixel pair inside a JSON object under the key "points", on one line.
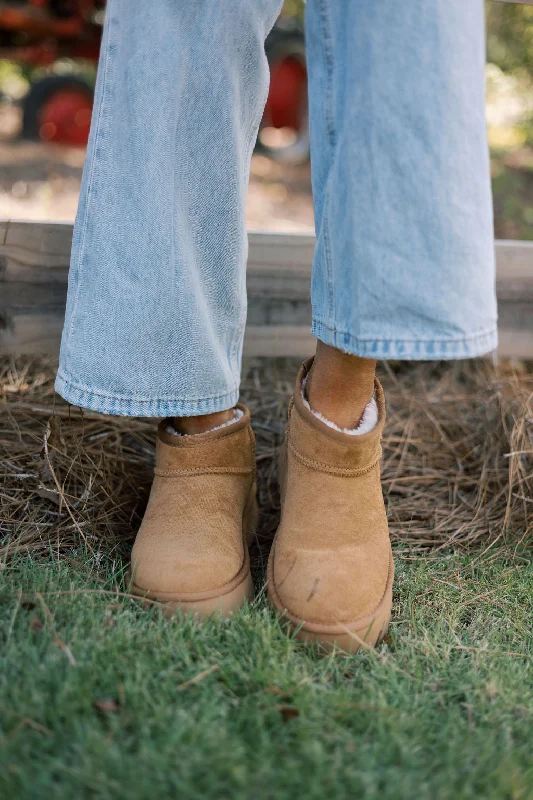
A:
{"points": [[222, 600], [198, 605], [364, 633]]}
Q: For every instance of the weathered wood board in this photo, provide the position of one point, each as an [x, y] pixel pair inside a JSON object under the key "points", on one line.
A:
{"points": [[34, 260]]}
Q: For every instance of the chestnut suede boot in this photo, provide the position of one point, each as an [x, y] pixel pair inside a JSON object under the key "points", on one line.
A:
{"points": [[191, 550], [330, 569]]}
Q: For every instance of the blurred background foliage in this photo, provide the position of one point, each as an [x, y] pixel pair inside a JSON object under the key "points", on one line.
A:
{"points": [[294, 8], [510, 37], [510, 116]]}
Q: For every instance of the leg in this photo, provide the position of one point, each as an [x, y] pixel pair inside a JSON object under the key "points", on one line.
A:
{"points": [[340, 385], [403, 269], [404, 263], [157, 296], [156, 304]]}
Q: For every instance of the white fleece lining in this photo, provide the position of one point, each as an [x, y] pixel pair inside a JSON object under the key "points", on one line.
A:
{"points": [[369, 420], [238, 414]]}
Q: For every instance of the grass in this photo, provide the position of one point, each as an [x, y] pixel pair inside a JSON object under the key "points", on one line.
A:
{"points": [[102, 697]]}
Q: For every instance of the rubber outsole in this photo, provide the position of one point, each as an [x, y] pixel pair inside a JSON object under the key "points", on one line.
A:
{"points": [[204, 607]]}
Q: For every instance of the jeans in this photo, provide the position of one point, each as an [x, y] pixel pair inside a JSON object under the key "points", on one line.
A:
{"points": [[404, 260]]}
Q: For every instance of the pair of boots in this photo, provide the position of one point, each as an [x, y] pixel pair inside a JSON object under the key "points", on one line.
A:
{"points": [[330, 569]]}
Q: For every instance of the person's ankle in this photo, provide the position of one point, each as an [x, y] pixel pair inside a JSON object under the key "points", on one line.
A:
{"points": [[340, 385], [189, 426]]}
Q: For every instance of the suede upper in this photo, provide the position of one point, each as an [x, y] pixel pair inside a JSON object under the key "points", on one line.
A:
{"points": [[191, 537], [331, 558]]}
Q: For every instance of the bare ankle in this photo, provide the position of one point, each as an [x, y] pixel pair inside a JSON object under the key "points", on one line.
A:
{"points": [[203, 422], [340, 385]]}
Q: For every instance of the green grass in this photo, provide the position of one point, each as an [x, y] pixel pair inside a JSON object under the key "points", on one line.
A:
{"points": [[443, 710]]}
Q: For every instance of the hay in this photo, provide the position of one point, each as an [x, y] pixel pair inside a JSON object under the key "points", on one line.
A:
{"points": [[457, 467]]}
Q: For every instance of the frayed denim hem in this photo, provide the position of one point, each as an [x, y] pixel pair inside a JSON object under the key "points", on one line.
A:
{"points": [[406, 350], [132, 407]]}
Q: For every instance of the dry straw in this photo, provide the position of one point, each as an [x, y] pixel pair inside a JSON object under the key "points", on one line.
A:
{"points": [[457, 466]]}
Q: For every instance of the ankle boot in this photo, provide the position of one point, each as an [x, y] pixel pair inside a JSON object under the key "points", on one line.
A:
{"points": [[191, 551], [330, 570]]}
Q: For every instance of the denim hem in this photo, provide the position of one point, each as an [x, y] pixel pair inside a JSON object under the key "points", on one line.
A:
{"points": [[477, 344], [123, 407]]}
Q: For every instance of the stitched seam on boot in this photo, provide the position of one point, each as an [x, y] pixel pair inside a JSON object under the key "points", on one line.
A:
{"points": [[291, 404], [318, 466], [176, 473], [251, 437]]}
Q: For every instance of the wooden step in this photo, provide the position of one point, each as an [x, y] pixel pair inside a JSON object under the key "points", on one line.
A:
{"points": [[34, 258]]}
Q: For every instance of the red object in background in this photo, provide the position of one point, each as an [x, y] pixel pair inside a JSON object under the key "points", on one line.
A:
{"points": [[58, 108], [26, 26], [287, 95], [66, 118]]}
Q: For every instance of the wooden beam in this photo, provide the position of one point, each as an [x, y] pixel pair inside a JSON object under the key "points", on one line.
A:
{"points": [[34, 260]]}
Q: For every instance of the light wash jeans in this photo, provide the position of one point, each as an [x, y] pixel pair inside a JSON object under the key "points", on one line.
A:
{"points": [[404, 265]]}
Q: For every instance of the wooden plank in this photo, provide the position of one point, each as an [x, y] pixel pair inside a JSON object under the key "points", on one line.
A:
{"points": [[514, 270], [35, 252], [38, 334], [34, 261], [515, 344], [279, 340]]}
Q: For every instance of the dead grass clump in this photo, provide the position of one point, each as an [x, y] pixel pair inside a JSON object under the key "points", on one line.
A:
{"points": [[457, 467]]}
